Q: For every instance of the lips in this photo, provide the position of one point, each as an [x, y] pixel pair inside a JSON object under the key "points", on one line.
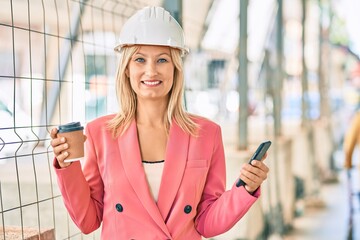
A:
{"points": [[151, 83]]}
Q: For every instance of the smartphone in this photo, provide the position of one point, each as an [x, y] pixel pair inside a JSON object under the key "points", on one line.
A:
{"points": [[258, 155], [260, 151]]}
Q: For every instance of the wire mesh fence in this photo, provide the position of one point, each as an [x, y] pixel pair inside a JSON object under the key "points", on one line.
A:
{"points": [[56, 65]]}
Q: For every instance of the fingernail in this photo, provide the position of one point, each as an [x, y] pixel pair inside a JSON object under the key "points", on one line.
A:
{"points": [[66, 146], [62, 139], [66, 153]]}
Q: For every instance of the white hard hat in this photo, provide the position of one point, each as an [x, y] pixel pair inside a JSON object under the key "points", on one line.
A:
{"points": [[152, 26]]}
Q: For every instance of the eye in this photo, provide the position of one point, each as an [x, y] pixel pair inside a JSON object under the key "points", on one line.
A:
{"points": [[141, 60], [162, 60]]}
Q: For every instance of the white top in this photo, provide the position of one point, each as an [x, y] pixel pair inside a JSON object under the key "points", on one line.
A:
{"points": [[153, 171]]}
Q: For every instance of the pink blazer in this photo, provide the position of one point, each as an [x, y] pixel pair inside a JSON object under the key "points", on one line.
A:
{"points": [[109, 187]]}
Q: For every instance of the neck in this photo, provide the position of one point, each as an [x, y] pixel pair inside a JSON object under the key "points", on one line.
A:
{"points": [[151, 113]]}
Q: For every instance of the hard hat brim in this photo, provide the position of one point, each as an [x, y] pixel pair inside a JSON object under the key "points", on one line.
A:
{"points": [[184, 51]]}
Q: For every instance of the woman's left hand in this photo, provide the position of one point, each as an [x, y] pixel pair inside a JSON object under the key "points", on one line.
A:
{"points": [[254, 174]]}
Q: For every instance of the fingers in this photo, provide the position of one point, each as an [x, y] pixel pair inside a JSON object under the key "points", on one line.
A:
{"points": [[255, 170], [61, 153], [59, 146], [61, 158], [254, 174], [53, 133], [259, 165]]}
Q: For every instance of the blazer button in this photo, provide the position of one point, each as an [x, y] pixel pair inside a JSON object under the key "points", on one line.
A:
{"points": [[119, 207], [187, 209]]}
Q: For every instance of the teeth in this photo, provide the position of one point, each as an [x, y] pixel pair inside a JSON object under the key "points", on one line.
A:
{"points": [[151, 82]]}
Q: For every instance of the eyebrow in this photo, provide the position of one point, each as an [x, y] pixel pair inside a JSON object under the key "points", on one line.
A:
{"points": [[158, 55]]}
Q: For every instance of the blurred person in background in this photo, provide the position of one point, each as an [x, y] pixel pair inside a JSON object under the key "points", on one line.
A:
{"points": [[352, 135], [153, 170]]}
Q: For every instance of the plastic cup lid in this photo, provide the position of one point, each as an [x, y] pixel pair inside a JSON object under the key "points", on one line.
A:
{"points": [[69, 127]]}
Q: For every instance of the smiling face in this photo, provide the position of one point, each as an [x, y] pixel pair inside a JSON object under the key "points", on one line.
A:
{"points": [[151, 72]]}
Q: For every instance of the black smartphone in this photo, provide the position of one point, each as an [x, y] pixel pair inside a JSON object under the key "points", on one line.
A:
{"points": [[258, 155], [260, 151]]}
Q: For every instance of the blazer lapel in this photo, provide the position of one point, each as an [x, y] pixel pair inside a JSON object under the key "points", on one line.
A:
{"points": [[131, 157], [175, 162]]}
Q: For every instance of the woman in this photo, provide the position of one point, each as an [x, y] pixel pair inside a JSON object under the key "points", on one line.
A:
{"points": [[153, 171]]}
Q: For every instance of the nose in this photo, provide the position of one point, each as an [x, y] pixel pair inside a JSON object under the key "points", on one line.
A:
{"points": [[151, 69]]}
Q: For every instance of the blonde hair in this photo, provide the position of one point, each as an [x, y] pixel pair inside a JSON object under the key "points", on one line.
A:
{"points": [[128, 101]]}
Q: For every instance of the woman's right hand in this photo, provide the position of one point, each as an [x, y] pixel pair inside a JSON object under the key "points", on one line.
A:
{"points": [[59, 146]]}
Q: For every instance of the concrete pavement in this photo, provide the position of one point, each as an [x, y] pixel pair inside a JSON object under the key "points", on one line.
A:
{"points": [[330, 222]]}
